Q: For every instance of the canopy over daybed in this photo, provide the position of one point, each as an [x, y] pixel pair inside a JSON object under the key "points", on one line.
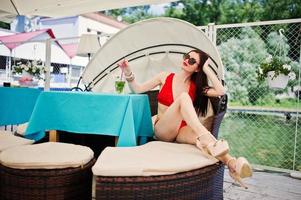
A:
{"points": [[151, 46]]}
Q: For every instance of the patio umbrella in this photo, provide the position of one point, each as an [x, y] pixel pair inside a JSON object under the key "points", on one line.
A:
{"points": [[12, 41], [60, 8], [151, 46], [15, 40]]}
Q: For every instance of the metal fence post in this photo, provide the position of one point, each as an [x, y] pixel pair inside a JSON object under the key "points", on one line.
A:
{"points": [[298, 105], [212, 32]]}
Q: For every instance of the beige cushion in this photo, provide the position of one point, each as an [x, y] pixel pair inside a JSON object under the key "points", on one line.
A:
{"points": [[49, 155], [153, 158], [8, 140]]}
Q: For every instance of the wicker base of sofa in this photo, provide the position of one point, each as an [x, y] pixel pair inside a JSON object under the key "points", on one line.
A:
{"points": [[195, 184], [30, 184]]}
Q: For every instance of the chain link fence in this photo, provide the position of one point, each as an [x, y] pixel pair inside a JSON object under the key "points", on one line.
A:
{"points": [[262, 124]]}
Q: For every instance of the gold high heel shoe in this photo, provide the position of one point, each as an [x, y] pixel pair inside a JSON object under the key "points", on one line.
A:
{"points": [[215, 148], [242, 170]]}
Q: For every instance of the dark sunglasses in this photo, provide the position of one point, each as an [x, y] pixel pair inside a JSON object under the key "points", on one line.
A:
{"points": [[191, 61]]}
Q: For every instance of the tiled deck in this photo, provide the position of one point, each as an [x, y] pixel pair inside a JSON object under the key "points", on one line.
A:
{"points": [[264, 186]]}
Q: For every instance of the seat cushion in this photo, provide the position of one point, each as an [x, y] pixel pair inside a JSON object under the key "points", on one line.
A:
{"points": [[49, 155], [8, 140], [153, 158]]}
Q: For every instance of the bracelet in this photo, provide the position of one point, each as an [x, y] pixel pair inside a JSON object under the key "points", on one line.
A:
{"points": [[128, 75], [205, 90], [130, 78]]}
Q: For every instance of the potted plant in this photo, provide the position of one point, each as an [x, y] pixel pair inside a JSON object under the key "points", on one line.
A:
{"points": [[28, 71], [277, 70]]}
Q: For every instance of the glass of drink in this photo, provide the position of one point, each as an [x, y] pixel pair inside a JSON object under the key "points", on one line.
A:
{"points": [[119, 86]]}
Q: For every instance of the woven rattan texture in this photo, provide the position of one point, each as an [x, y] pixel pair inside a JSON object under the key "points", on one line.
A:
{"points": [[195, 184], [56, 184], [219, 107]]}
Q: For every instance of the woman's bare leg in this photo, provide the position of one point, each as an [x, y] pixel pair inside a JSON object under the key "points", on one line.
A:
{"points": [[187, 136], [182, 108]]}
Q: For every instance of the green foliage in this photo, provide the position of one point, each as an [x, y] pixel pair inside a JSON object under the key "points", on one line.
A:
{"points": [[277, 64], [262, 139], [276, 9], [241, 57], [237, 11], [4, 25], [34, 68], [131, 15], [197, 12], [202, 12], [295, 69], [255, 94], [277, 44]]}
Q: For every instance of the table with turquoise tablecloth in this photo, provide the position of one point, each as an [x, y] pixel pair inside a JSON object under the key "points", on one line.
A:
{"points": [[125, 116], [16, 104]]}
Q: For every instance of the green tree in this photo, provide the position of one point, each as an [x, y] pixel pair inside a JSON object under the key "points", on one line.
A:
{"points": [[197, 12], [275, 9], [202, 12], [132, 14], [4, 25], [241, 57], [238, 11]]}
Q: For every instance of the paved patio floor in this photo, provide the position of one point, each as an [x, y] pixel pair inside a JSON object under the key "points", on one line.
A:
{"points": [[264, 186]]}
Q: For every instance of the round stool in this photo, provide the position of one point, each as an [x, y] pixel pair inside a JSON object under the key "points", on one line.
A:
{"points": [[8, 140], [46, 171], [156, 170]]}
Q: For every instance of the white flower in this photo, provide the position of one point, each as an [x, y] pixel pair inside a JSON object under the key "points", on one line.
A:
{"points": [[23, 66], [260, 70], [33, 69], [292, 76], [286, 66], [26, 68], [269, 59]]}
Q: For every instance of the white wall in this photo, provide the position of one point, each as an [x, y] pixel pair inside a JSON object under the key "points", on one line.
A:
{"points": [[61, 27], [85, 23]]}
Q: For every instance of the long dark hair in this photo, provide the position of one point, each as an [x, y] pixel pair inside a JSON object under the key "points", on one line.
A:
{"points": [[201, 82]]}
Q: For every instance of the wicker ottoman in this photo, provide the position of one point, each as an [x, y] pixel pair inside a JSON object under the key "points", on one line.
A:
{"points": [[156, 170], [46, 171], [8, 140]]}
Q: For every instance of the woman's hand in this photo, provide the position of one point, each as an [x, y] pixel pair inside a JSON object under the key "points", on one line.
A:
{"points": [[206, 67], [124, 65]]}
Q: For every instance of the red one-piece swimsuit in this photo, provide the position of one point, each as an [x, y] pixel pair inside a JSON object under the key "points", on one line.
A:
{"points": [[165, 96]]}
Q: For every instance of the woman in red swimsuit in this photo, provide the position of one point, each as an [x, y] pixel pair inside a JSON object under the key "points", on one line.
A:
{"points": [[184, 96]]}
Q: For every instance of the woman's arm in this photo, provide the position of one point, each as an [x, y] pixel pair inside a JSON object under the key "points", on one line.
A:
{"points": [[148, 85], [217, 89], [144, 87]]}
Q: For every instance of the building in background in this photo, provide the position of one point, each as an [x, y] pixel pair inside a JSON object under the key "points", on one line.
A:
{"points": [[64, 60]]}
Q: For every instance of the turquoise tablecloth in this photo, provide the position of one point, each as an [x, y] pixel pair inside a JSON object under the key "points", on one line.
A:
{"points": [[126, 116], [16, 104]]}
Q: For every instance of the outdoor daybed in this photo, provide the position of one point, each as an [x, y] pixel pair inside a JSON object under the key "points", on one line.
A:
{"points": [[152, 46]]}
